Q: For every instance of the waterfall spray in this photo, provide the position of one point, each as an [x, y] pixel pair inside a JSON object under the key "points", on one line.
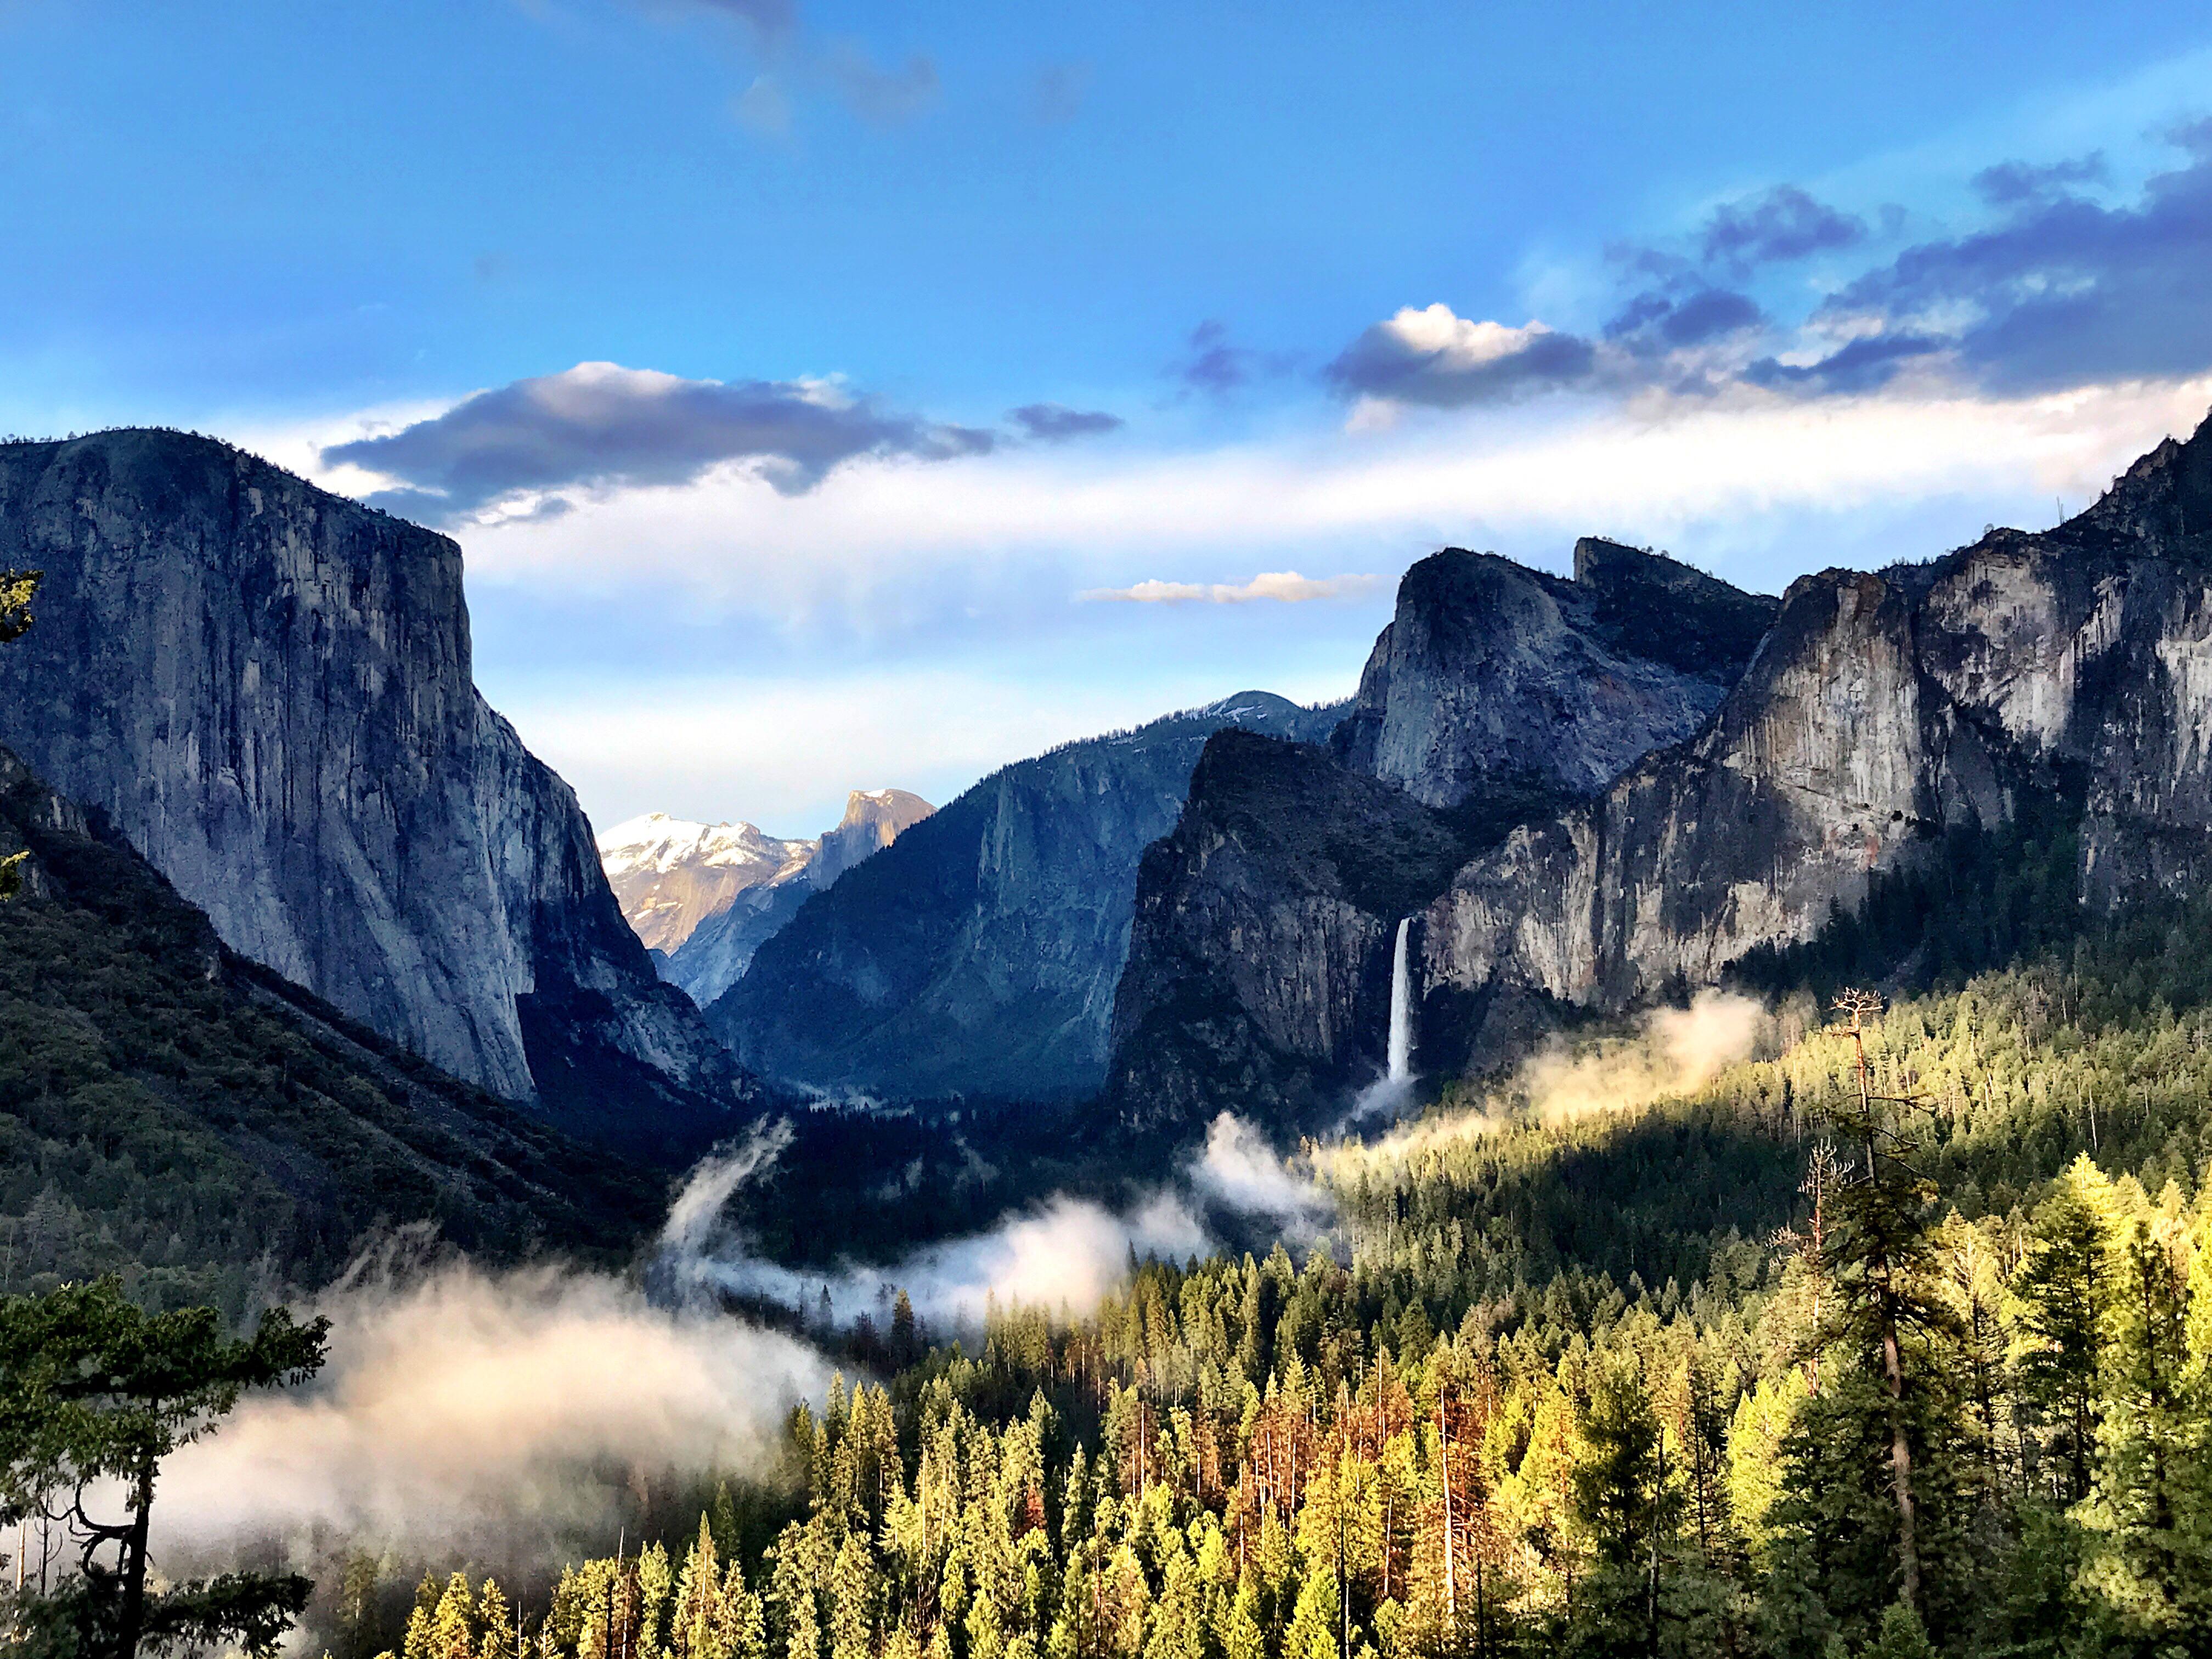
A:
{"points": [[1401, 1007]]}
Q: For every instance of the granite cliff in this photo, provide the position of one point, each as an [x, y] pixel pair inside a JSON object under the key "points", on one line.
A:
{"points": [[266, 689], [1259, 964], [175, 1113], [1701, 778], [2069, 668], [978, 953]]}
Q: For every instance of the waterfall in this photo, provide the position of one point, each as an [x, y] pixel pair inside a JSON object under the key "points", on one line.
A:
{"points": [[1401, 1007]]}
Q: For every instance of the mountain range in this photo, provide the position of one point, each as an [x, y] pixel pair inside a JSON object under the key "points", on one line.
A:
{"points": [[702, 897], [978, 954], [259, 786], [1589, 800]]}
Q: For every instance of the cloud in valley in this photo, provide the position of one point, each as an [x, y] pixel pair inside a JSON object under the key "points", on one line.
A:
{"points": [[1238, 1169], [465, 1409], [1672, 1051], [1065, 1254], [600, 424], [1285, 586]]}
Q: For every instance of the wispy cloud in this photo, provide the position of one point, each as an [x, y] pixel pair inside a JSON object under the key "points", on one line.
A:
{"points": [[601, 424], [1056, 423], [886, 97], [1284, 586]]}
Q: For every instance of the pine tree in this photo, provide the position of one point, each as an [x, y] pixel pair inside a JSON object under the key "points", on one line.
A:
{"points": [[1629, 1508], [2063, 1287], [2150, 1499]]}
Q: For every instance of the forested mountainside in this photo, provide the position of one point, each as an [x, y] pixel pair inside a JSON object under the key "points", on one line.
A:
{"points": [[1618, 1383], [267, 689], [1259, 966], [978, 954], [715, 953], [175, 1113]]}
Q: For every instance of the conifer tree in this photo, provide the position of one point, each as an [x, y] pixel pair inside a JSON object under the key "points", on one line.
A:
{"points": [[2064, 1288]]}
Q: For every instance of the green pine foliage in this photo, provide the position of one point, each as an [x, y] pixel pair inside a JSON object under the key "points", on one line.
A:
{"points": [[1814, 1360]]}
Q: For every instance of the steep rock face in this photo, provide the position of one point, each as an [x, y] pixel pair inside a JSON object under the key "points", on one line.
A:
{"points": [[1263, 928], [177, 1112], [267, 689], [1260, 969], [1493, 674], [1881, 710], [979, 953], [715, 953]]}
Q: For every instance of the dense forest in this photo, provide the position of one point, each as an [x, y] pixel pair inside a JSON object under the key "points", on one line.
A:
{"points": [[1897, 1340]]}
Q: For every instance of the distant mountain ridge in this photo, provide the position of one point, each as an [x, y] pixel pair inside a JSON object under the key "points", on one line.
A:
{"points": [[702, 897], [978, 954], [267, 689]]}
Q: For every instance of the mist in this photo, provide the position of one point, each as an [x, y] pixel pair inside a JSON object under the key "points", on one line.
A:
{"points": [[1064, 1254], [1672, 1051], [490, 1414]]}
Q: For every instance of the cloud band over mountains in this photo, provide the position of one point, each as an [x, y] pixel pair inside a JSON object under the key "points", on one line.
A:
{"points": [[601, 424]]}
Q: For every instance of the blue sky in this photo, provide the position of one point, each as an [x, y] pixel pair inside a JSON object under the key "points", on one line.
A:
{"points": [[918, 330]]}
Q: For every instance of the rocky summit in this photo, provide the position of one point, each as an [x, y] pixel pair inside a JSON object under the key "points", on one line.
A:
{"points": [[1259, 972]]}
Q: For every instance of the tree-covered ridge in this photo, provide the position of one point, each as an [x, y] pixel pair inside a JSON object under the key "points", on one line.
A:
{"points": [[172, 1113]]}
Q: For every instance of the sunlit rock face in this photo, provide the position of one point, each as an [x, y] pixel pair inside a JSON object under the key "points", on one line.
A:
{"points": [[267, 689], [1491, 673], [1259, 972], [2074, 666]]}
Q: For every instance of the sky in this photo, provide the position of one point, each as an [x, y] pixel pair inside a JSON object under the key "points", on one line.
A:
{"points": [[833, 395]]}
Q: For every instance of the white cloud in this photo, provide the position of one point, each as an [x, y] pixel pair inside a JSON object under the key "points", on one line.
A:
{"points": [[1239, 1168], [1745, 468], [1286, 585]]}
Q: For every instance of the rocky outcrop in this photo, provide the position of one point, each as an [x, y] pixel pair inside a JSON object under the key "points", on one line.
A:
{"points": [[1263, 930], [1259, 973], [1883, 710], [979, 953], [705, 897], [1493, 674], [267, 689]]}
